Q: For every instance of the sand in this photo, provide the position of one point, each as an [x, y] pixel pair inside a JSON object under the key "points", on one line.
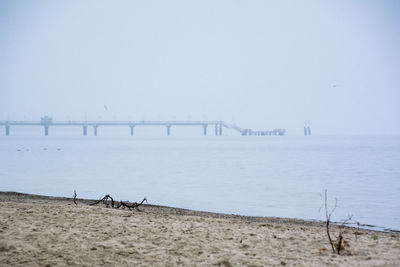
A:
{"points": [[46, 231]]}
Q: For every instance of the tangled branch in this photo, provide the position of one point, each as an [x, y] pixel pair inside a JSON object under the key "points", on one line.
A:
{"points": [[115, 204]]}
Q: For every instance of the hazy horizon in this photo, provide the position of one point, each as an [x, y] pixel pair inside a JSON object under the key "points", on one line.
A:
{"points": [[259, 64]]}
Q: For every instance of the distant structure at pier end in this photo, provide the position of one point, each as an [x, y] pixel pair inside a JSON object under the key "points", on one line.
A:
{"points": [[307, 128]]}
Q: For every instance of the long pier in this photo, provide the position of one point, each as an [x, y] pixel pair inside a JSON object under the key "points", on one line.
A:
{"points": [[47, 122]]}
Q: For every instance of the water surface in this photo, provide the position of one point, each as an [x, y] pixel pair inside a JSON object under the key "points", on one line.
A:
{"points": [[260, 176]]}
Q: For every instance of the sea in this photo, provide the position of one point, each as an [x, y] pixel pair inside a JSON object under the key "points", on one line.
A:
{"points": [[273, 176]]}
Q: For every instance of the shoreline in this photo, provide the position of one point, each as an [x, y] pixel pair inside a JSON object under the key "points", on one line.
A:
{"points": [[167, 209], [40, 230], [183, 211]]}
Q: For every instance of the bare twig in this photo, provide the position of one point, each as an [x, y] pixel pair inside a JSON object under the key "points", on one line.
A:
{"points": [[336, 247], [75, 195], [339, 246], [339, 243], [356, 233], [328, 218]]}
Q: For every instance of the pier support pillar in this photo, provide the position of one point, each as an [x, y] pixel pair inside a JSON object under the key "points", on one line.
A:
{"points": [[220, 129], [95, 129], [46, 130], [168, 130], [7, 130], [84, 130], [216, 129], [205, 129], [131, 126]]}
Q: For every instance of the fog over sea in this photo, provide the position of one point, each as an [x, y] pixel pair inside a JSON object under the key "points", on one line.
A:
{"points": [[281, 176]]}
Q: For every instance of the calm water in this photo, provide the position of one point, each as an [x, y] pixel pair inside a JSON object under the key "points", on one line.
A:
{"points": [[263, 176]]}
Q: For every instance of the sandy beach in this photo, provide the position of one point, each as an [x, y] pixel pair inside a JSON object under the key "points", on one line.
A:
{"points": [[48, 231]]}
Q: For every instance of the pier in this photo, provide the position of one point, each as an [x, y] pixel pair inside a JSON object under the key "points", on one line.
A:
{"points": [[47, 122]]}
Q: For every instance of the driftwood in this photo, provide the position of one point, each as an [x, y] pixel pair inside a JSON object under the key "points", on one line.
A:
{"points": [[105, 201], [116, 205]]}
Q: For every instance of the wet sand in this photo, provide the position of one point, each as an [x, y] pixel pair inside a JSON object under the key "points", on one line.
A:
{"points": [[39, 231]]}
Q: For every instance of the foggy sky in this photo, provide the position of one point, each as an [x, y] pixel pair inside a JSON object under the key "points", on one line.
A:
{"points": [[260, 64]]}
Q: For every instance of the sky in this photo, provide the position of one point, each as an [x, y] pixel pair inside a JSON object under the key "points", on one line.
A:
{"points": [[258, 64]]}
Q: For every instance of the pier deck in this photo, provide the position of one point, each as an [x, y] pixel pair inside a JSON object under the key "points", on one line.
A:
{"points": [[47, 122]]}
